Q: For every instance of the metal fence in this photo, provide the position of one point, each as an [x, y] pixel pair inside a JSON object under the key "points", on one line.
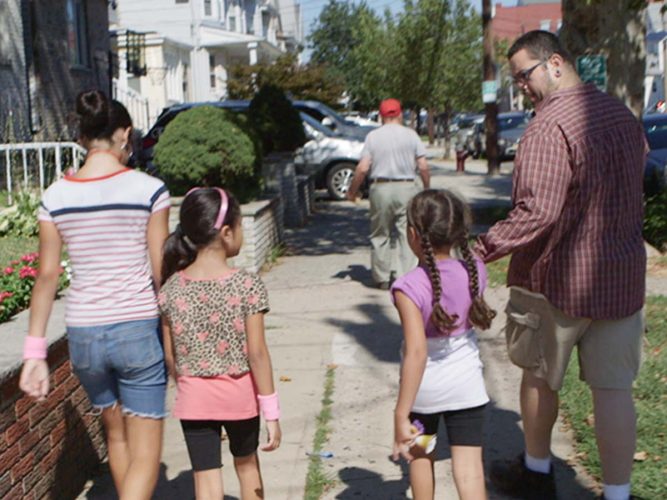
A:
{"points": [[33, 165], [136, 104]]}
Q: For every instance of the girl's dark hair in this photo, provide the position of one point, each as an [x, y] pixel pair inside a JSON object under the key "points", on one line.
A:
{"points": [[99, 118], [196, 230], [441, 219]]}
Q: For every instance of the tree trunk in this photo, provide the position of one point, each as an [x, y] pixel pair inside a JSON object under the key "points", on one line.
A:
{"points": [[615, 29]]}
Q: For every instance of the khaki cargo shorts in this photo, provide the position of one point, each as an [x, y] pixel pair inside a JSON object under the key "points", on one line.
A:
{"points": [[540, 339]]}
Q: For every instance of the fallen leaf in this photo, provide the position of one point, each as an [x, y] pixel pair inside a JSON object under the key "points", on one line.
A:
{"points": [[640, 456], [285, 378], [332, 366]]}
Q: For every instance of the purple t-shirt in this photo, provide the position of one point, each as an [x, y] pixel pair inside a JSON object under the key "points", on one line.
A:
{"points": [[455, 298]]}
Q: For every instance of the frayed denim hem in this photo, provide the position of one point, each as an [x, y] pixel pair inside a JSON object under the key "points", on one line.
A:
{"points": [[98, 409], [155, 416]]}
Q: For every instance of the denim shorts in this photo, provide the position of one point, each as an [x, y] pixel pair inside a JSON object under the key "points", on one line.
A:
{"points": [[121, 362]]}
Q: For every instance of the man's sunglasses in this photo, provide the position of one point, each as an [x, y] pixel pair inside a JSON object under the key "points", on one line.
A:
{"points": [[523, 76]]}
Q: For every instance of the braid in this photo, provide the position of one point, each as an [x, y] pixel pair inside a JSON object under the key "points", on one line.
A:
{"points": [[439, 317], [480, 314]]}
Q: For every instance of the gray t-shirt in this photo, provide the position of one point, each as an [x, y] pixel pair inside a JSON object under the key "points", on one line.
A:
{"points": [[393, 150]]}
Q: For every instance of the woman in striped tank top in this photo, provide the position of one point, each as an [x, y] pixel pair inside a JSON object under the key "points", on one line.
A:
{"points": [[113, 222]]}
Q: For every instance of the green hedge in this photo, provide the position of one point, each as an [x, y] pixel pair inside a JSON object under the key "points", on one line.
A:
{"points": [[207, 146]]}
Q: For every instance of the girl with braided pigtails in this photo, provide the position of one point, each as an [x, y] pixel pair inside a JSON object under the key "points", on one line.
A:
{"points": [[439, 303]]}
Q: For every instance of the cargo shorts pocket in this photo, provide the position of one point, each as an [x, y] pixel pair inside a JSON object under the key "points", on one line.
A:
{"points": [[522, 334]]}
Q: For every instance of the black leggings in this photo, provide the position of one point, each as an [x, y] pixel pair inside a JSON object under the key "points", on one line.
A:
{"points": [[464, 427]]}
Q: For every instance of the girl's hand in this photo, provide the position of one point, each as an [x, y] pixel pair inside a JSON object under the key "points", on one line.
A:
{"points": [[274, 435], [34, 380], [404, 434]]}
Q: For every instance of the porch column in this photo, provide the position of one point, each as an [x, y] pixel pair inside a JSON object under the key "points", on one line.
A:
{"points": [[252, 53]]}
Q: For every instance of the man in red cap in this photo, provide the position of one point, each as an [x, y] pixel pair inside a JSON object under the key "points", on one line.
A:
{"points": [[392, 157]]}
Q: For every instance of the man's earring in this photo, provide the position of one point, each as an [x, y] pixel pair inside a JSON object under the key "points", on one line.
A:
{"points": [[557, 72]]}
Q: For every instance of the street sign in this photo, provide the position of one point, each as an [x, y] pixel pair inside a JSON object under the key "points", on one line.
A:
{"points": [[489, 91], [593, 69]]}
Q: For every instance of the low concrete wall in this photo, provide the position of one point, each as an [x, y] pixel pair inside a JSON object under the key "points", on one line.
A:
{"points": [[47, 449]]}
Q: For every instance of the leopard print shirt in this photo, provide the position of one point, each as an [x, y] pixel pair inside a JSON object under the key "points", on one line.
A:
{"points": [[207, 321]]}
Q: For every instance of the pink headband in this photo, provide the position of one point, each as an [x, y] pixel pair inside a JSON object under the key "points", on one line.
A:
{"points": [[224, 204]]}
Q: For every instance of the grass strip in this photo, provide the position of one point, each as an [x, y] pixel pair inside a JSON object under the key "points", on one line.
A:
{"points": [[13, 247], [497, 272], [317, 481], [649, 476]]}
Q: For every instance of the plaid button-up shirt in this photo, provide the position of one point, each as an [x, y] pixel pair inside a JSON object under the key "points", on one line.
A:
{"points": [[575, 229]]}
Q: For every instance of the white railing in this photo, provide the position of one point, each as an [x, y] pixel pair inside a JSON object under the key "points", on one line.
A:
{"points": [[136, 104], [36, 164]]}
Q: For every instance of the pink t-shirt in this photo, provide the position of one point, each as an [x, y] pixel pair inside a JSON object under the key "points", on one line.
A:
{"points": [[455, 298], [216, 398]]}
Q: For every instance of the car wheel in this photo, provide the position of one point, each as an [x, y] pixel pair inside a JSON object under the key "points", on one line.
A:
{"points": [[339, 179]]}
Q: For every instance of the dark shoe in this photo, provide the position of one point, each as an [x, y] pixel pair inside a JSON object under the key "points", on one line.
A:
{"points": [[513, 478], [383, 286]]}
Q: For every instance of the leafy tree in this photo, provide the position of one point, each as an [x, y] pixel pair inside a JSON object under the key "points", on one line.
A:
{"points": [[309, 81], [614, 28]]}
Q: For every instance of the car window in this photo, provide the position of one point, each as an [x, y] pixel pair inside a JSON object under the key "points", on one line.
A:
{"points": [[656, 134], [313, 123], [511, 122]]}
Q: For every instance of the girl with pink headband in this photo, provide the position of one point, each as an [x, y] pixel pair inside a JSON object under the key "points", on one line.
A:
{"points": [[213, 323]]}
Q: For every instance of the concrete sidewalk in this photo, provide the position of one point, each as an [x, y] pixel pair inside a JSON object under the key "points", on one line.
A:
{"points": [[324, 310]]}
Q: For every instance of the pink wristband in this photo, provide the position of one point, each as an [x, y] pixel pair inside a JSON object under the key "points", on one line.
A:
{"points": [[34, 347], [270, 406]]}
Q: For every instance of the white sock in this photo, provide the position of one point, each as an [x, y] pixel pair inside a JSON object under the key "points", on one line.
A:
{"points": [[542, 465], [616, 491]]}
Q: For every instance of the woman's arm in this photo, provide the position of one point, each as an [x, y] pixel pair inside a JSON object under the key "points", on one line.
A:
{"points": [[168, 346], [412, 370], [156, 234], [34, 379], [262, 372]]}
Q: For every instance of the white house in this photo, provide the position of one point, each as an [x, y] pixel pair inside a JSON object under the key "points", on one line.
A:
{"points": [[181, 50], [656, 50]]}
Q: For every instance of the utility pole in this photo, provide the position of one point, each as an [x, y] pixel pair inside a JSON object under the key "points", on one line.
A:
{"points": [[490, 91]]}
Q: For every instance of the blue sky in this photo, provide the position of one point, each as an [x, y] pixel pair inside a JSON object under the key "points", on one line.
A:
{"points": [[311, 10]]}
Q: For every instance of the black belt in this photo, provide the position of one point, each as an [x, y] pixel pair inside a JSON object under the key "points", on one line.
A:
{"points": [[389, 179]]}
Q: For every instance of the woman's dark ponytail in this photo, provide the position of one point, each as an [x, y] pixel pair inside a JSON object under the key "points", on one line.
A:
{"points": [[179, 253]]}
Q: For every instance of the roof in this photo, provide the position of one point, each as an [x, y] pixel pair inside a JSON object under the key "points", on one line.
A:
{"points": [[512, 22]]}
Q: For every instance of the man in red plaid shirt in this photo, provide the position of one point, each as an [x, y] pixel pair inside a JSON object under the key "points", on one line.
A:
{"points": [[578, 263]]}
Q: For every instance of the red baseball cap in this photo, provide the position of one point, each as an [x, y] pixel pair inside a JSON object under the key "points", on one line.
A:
{"points": [[390, 108]]}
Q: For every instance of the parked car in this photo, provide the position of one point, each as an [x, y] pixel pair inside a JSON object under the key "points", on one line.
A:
{"points": [[655, 173], [329, 118], [511, 127], [332, 157], [145, 155], [356, 118], [465, 128]]}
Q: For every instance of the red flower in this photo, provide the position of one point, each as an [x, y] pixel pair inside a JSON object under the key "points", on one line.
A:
{"points": [[15, 262], [8, 270], [27, 272], [5, 295]]}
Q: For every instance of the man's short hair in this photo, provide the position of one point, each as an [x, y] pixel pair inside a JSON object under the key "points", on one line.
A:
{"points": [[540, 45]]}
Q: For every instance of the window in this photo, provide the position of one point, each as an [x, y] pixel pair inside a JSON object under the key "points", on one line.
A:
{"points": [[207, 8], [211, 64], [182, 1], [232, 23], [77, 33], [545, 24]]}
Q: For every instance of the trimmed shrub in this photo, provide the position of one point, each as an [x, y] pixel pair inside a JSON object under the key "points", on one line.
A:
{"points": [[277, 122], [207, 146], [20, 219], [655, 221]]}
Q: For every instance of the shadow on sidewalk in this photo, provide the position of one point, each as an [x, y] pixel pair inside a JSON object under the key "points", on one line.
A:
{"points": [[364, 483], [181, 487], [378, 333], [338, 227]]}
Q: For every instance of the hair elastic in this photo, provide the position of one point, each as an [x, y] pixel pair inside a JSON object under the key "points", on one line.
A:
{"points": [[224, 204]]}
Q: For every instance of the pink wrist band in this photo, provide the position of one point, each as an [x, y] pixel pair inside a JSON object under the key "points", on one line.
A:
{"points": [[34, 347], [270, 406]]}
